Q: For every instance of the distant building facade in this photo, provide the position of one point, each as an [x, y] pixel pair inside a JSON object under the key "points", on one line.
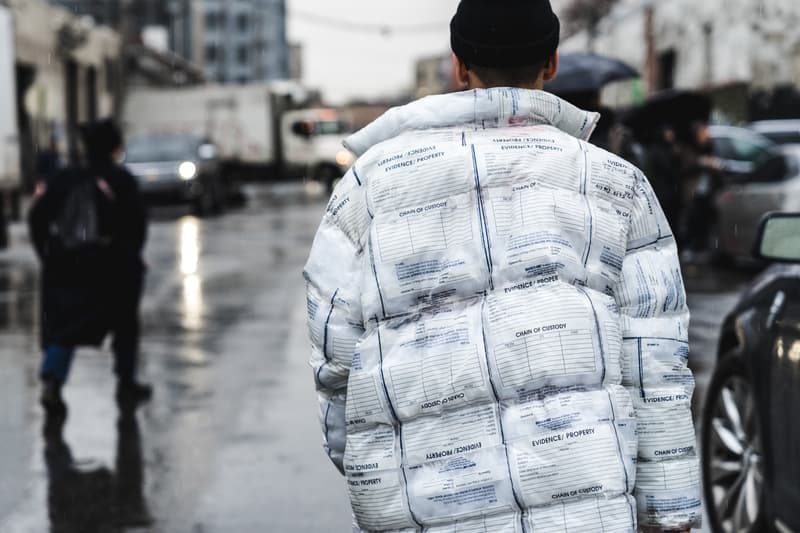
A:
{"points": [[296, 62], [109, 12], [245, 40], [232, 41], [178, 17], [435, 75], [64, 76], [729, 48]]}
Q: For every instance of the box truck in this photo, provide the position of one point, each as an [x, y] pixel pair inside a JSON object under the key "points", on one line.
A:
{"points": [[261, 131]]}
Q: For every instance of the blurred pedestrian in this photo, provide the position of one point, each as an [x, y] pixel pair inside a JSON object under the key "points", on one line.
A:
{"points": [[88, 226], [663, 164], [496, 310], [700, 179]]}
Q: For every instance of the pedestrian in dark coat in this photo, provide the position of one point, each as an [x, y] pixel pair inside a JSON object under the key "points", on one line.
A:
{"points": [[664, 171], [95, 290]]}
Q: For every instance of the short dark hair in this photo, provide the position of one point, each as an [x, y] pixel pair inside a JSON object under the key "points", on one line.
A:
{"points": [[100, 139], [509, 77]]}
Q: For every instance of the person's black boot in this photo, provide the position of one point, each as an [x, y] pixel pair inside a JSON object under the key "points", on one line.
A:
{"points": [[51, 398], [130, 394]]}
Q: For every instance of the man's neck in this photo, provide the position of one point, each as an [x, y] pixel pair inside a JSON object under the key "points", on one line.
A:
{"points": [[478, 84]]}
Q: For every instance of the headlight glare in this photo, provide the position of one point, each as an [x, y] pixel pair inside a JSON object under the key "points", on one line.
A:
{"points": [[187, 170], [344, 158]]}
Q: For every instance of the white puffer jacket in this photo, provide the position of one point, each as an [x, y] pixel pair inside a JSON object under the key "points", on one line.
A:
{"points": [[499, 327]]}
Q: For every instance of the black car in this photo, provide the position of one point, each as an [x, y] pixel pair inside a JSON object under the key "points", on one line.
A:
{"points": [[750, 430], [179, 168]]}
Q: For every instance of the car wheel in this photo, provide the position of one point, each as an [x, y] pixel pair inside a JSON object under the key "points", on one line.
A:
{"points": [[733, 458]]}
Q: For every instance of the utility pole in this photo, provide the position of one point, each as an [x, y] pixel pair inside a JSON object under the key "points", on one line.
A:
{"points": [[651, 60], [124, 30], [708, 46]]}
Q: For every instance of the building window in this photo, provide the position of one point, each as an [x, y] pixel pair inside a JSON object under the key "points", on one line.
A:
{"points": [[242, 22], [242, 54], [667, 62], [211, 53], [212, 20]]}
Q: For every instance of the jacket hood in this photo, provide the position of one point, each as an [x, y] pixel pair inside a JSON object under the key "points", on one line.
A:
{"points": [[479, 109]]}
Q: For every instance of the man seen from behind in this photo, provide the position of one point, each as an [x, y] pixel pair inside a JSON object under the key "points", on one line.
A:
{"points": [[497, 312]]}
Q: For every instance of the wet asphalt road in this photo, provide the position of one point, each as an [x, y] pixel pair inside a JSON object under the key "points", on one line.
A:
{"points": [[231, 442]]}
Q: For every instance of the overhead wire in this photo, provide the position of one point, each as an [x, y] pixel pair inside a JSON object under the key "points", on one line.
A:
{"points": [[365, 27]]}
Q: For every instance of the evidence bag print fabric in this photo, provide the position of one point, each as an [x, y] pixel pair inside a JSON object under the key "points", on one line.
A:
{"points": [[499, 327]]}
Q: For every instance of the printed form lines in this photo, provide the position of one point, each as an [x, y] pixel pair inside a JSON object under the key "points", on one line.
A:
{"points": [[433, 232], [437, 379], [561, 353], [363, 397]]}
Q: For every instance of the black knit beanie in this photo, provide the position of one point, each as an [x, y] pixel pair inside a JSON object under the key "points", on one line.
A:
{"points": [[504, 33]]}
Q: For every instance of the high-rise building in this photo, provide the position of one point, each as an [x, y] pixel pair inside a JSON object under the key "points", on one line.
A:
{"points": [[233, 41], [296, 61], [131, 17], [245, 40], [136, 14]]}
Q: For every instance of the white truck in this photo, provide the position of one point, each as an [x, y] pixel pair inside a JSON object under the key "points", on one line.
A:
{"points": [[10, 172], [261, 131]]}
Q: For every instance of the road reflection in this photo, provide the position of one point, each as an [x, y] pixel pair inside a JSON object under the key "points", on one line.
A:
{"points": [[189, 249], [87, 497], [18, 298], [189, 243]]}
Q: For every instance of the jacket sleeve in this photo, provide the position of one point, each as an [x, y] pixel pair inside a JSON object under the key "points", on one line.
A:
{"points": [[335, 324], [655, 317], [37, 225]]}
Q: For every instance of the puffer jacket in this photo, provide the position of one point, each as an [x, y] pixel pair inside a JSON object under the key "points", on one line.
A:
{"points": [[499, 327]]}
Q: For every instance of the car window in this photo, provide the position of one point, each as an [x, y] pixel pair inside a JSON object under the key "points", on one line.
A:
{"points": [[745, 149], [783, 137], [331, 127], [157, 149], [723, 148]]}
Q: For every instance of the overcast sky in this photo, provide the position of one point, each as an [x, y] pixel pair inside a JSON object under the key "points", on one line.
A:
{"points": [[348, 64]]}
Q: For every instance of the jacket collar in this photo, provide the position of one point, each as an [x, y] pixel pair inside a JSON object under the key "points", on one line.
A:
{"points": [[477, 109]]}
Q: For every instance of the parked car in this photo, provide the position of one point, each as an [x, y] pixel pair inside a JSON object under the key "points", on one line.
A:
{"points": [[759, 177], [179, 168], [779, 131], [750, 438], [740, 149]]}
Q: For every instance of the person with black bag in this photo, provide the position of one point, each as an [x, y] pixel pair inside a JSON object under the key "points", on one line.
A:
{"points": [[88, 225]]}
